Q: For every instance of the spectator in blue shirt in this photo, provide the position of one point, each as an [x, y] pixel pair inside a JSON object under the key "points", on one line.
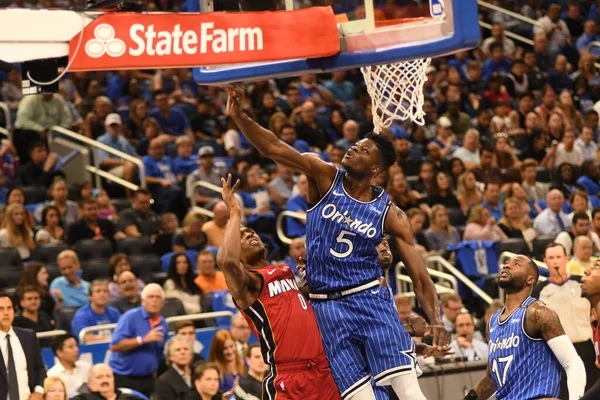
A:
{"points": [[491, 200], [589, 180], [74, 289], [341, 89], [288, 135], [162, 181], [96, 312], [350, 132], [115, 164], [590, 34], [460, 61], [138, 342], [185, 163], [296, 254], [497, 63], [172, 121], [299, 204]]}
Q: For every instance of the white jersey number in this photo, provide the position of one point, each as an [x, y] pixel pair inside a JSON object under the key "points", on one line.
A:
{"points": [[345, 241], [503, 360], [302, 301]]}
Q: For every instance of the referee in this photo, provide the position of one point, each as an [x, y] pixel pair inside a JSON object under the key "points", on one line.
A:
{"points": [[562, 293]]}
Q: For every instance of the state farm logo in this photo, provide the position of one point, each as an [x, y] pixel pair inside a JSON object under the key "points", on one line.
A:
{"points": [[104, 42], [145, 40]]}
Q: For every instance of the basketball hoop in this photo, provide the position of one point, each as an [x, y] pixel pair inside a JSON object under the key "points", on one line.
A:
{"points": [[396, 91]]}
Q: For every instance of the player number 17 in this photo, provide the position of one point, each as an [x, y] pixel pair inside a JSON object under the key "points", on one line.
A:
{"points": [[503, 360], [343, 239]]}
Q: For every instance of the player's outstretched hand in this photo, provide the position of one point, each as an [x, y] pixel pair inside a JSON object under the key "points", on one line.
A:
{"points": [[442, 352], [228, 193], [301, 267], [441, 337], [234, 100]]}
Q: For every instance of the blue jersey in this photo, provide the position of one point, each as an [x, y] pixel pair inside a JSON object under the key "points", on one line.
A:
{"points": [[341, 236], [522, 367]]}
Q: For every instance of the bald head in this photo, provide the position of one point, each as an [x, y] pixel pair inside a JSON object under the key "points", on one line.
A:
{"points": [[102, 380], [583, 248], [555, 200], [221, 214], [350, 130]]}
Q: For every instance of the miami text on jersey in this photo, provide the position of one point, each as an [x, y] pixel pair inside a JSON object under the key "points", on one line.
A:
{"points": [[281, 286]]}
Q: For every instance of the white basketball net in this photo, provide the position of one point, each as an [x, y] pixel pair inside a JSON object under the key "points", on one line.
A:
{"points": [[396, 91]]}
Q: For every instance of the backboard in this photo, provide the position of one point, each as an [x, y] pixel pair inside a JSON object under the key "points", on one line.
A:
{"points": [[372, 32]]}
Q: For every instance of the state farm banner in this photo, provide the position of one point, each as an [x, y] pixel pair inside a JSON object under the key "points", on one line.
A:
{"points": [[132, 40]]}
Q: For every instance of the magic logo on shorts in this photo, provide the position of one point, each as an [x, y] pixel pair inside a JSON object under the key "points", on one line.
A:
{"points": [[331, 212]]}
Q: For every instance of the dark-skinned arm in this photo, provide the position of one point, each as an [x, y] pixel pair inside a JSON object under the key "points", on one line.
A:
{"points": [[485, 388], [242, 284], [398, 225], [544, 322], [269, 145]]}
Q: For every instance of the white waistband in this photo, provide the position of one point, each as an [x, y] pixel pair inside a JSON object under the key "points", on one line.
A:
{"points": [[343, 293]]}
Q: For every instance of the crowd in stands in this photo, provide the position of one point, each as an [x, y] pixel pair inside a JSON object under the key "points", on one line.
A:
{"points": [[508, 154]]}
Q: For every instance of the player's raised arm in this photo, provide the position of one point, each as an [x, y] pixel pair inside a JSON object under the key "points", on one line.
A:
{"points": [[240, 282], [270, 146], [398, 225], [540, 320]]}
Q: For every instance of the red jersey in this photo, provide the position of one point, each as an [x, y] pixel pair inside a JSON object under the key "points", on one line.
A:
{"points": [[283, 320]]}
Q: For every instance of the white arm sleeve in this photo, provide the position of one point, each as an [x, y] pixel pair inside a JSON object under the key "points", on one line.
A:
{"points": [[565, 353]]}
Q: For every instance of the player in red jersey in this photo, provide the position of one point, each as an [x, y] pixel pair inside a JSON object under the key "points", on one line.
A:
{"points": [[276, 311]]}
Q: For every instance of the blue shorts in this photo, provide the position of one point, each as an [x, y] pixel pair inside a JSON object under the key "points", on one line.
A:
{"points": [[364, 338]]}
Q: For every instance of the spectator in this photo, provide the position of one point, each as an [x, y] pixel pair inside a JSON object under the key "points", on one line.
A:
{"points": [[113, 139], [452, 305], [185, 163], [341, 89], [119, 263], [180, 284], [215, 228], [566, 150], [190, 235], [25, 376], [36, 115], [224, 354], [73, 289], [350, 135], [288, 135], [200, 195], [596, 220], [11, 91], [410, 157], [51, 231], [416, 217], [482, 226], [296, 252], [562, 294], [151, 131], [172, 121], [40, 169], [281, 184], [579, 203], [205, 383], [54, 389], [35, 274], [559, 77], [517, 192], [138, 114], [161, 179], [138, 342], [92, 227], [176, 382], [552, 220], [590, 34], [308, 127], [94, 313], [554, 28], [467, 192], [440, 234], [31, 317], [101, 383], [582, 256], [93, 125], [548, 106], [9, 165], [69, 210], [140, 220], [498, 36], [240, 331], [434, 156], [15, 232], [445, 138], [17, 196], [590, 178], [536, 191], [106, 210], [209, 279], [441, 192], [491, 200], [250, 386], [129, 292], [497, 63], [485, 172], [468, 153], [586, 144], [580, 227], [574, 21], [516, 81], [514, 223], [187, 330], [69, 368], [565, 179], [465, 345], [572, 115], [461, 122], [255, 196], [404, 307], [587, 69], [168, 226]]}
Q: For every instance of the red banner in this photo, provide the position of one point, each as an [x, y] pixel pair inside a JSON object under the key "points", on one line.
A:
{"points": [[131, 40]]}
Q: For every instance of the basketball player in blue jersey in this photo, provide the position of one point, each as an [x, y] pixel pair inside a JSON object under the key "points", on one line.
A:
{"points": [[361, 331], [527, 344]]}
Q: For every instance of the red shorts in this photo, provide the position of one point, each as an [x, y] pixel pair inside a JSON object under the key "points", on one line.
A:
{"points": [[306, 380]]}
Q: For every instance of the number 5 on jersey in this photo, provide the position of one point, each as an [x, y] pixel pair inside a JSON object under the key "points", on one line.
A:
{"points": [[345, 242]]}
